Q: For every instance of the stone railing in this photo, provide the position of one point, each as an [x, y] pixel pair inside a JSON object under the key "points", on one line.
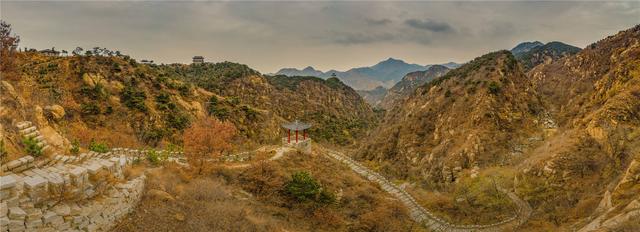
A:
{"points": [[18, 165], [62, 193], [425, 217]]}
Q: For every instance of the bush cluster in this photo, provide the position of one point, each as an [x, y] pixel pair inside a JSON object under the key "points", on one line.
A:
{"points": [[89, 109], [75, 147], [98, 147], [156, 158], [32, 148], [494, 88], [134, 98], [304, 189]]}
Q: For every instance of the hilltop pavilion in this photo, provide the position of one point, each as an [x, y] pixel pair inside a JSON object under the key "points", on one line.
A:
{"points": [[296, 126]]}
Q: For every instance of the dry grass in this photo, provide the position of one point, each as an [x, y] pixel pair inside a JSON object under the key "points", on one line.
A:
{"points": [[470, 200], [202, 204], [251, 200]]}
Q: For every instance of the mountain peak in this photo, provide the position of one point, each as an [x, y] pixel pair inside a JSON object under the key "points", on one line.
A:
{"points": [[309, 68], [391, 60], [525, 47]]}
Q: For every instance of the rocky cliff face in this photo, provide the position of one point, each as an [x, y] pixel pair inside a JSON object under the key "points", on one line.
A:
{"points": [[595, 98], [409, 83]]}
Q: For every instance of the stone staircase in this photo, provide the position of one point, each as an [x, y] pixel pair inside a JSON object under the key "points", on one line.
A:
{"points": [[28, 130], [423, 216], [59, 194]]}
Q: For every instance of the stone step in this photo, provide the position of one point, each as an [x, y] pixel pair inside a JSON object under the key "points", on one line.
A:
{"points": [[39, 138], [32, 134], [23, 125], [42, 144], [28, 130]]}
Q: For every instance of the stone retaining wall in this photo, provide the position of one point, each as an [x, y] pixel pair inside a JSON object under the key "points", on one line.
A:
{"points": [[423, 216], [86, 192]]}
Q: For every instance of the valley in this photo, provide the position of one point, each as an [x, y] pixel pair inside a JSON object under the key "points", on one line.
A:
{"points": [[542, 137]]}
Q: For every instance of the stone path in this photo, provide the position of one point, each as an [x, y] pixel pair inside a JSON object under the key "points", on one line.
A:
{"points": [[423, 216], [280, 151]]}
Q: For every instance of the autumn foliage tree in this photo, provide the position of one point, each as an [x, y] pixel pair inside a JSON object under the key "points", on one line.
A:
{"points": [[207, 140], [8, 44]]}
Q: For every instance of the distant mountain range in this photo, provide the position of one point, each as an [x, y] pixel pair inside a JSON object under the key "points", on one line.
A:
{"points": [[385, 73], [531, 54]]}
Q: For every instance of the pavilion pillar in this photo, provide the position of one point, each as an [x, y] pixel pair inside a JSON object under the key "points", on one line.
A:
{"points": [[296, 136], [304, 134], [289, 136]]}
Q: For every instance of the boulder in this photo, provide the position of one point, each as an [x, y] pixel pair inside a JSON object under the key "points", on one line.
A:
{"points": [[56, 112]]}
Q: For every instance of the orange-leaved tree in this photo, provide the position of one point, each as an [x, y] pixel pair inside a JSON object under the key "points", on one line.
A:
{"points": [[206, 140]]}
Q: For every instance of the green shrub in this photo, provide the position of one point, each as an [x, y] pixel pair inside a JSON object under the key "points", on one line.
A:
{"points": [[153, 157], [32, 148], [248, 112], [185, 90], [152, 135], [98, 92], [109, 110], [163, 102], [98, 147], [75, 147], [304, 189], [134, 98], [216, 109], [494, 88], [447, 93], [234, 101], [179, 121], [89, 109], [173, 148]]}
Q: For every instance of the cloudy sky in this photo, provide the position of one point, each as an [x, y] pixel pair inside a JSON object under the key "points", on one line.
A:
{"points": [[326, 35]]}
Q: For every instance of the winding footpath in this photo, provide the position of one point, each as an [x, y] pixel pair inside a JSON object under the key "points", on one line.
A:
{"points": [[426, 218]]}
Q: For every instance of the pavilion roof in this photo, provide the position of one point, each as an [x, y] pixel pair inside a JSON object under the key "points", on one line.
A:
{"points": [[296, 125]]}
